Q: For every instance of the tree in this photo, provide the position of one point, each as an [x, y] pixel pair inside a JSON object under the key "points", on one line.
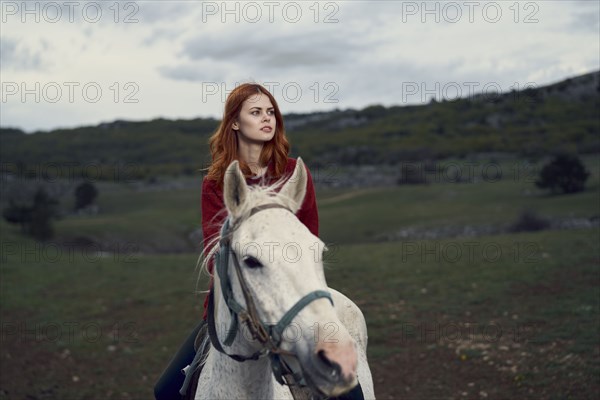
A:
{"points": [[44, 209], [565, 172], [85, 194]]}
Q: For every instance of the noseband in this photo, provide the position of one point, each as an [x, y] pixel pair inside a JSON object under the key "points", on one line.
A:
{"points": [[270, 336]]}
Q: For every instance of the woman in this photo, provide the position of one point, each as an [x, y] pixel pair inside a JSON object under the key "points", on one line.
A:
{"points": [[251, 132]]}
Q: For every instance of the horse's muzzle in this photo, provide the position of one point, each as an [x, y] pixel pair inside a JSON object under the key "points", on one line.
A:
{"points": [[334, 367]]}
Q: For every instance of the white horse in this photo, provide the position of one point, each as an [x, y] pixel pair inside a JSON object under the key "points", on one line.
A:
{"points": [[279, 268]]}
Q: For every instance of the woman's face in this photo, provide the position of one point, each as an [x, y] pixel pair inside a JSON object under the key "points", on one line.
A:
{"points": [[256, 116]]}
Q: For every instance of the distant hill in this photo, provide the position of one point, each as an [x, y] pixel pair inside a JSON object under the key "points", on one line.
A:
{"points": [[532, 122]]}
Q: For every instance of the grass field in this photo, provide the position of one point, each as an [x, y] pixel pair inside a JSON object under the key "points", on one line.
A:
{"points": [[498, 317]]}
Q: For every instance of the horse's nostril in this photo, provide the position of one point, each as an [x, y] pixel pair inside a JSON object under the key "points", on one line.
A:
{"points": [[332, 366], [323, 357]]}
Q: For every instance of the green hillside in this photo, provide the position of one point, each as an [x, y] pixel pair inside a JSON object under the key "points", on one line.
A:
{"points": [[529, 123]]}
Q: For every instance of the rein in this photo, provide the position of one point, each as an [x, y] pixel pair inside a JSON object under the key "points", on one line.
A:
{"points": [[270, 336]]}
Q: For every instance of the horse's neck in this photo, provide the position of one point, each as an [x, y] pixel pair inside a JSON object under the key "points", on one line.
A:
{"points": [[232, 379], [239, 380]]}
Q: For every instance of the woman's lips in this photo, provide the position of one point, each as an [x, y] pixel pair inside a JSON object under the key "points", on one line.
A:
{"points": [[266, 129]]}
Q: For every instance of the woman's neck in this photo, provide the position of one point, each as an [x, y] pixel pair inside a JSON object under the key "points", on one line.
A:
{"points": [[250, 154]]}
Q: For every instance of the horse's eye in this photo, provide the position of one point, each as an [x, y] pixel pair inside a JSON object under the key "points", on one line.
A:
{"points": [[252, 262]]}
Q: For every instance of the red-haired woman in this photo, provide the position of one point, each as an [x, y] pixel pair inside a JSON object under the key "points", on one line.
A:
{"points": [[251, 132]]}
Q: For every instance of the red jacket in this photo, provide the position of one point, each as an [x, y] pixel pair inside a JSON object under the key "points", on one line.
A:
{"points": [[214, 213]]}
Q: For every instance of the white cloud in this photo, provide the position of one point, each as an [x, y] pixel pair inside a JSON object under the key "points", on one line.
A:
{"points": [[19, 55]]}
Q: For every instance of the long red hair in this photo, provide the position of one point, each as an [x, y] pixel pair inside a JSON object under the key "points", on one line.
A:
{"points": [[223, 143]]}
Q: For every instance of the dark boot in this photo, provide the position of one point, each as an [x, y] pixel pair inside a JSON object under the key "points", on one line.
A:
{"points": [[172, 379]]}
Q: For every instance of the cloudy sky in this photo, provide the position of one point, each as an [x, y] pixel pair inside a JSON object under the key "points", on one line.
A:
{"points": [[67, 64]]}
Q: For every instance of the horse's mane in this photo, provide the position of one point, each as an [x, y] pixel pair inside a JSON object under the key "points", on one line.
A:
{"points": [[257, 195]]}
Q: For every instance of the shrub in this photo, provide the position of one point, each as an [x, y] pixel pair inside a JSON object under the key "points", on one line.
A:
{"points": [[35, 220], [85, 194], [411, 174], [18, 214], [529, 221], [565, 172]]}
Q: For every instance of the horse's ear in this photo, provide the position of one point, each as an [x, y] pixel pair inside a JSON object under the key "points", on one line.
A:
{"points": [[295, 187], [234, 189]]}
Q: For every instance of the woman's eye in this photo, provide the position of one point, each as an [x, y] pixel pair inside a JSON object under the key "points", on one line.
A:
{"points": [[252, 262], [255, 112]]}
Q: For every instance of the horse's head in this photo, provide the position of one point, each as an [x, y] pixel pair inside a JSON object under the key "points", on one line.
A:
{"points": [[280, 267]]}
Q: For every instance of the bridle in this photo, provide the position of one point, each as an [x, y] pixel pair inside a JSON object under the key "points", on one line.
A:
{"points": [[270, 336]]}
